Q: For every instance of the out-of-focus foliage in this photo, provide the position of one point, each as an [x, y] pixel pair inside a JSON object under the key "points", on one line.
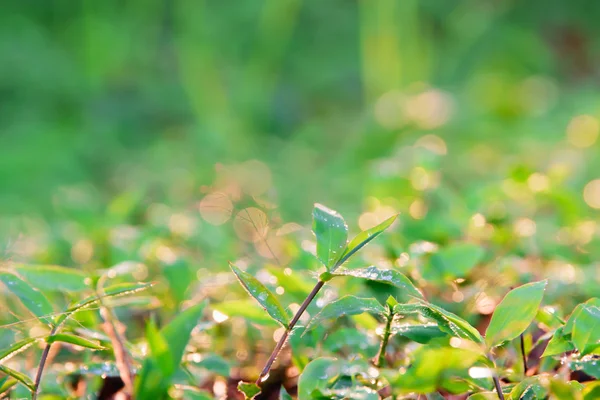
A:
{"points": [[157, 141]]}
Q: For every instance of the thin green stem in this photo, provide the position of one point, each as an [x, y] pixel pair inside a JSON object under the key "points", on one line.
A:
{"points": [[496, 379], [40, 370], [386, 337], [525, 368], [284, 337]]}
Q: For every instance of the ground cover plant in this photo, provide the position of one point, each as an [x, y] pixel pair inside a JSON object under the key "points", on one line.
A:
{"points": [[160, 162]]}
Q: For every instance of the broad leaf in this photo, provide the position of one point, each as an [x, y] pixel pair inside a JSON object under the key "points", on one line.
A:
{"points": [[529, 389], [317, 375], [586, 329], [76, 340], [363, 238], [347, 305], [591, 391], [22, 378], [15, 349], [214, 363], [332, 234], [388, 276], [558, 344], [265, 298], [568, 329], [250, 390], [53, 278], [447, 321], [483, 396], [420, 333], [353, 340], [588, 364], [111, 291], [31, 298], [453, 261], [159, 348], [515, 313]]}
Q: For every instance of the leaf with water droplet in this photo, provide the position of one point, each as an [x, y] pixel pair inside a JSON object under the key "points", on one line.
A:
{"points": [[589, 364], [363, 238], [331, 232], [265, 298], [586, 329], [31, 298], [250, 390], [347, 305], [568, 328], [447, 321], [388, 276], [515, 313], [76, 340]]}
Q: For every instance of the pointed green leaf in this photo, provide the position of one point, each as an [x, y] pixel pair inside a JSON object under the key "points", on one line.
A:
{"points": [[6, 383], [558, 344], [347, 305], [591, 391], [250, 390], [447, 321], [24, 379], [363, 238], [53, 278], [248, 309], [265, 298], [332, 234], [15, 349], [111, 291], [589, 364], [177, 332], [76, 340], [420, 333], [568, 329], [453, 261], [483, 396], [529, 389], [317, 375], [31, 298], [586, 329], [515, 313], [388, 276], [214, 363], [159, 348]]}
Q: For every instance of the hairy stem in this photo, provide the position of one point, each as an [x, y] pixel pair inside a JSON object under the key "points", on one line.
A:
{"points": [[285, 335], [40, 370], [525, 368], [496, 379], [386, 337]]}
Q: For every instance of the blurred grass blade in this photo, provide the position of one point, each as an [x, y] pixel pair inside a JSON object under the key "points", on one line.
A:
{"points": [[53, 278], [159, 348], [76, 340], [332, 235], [347, 305], [387, 276], [177, 332], [447, 321], [453, 261], [250, 390], [248, 309], [31, 298], [515, 313], [265, 298], [24, 379], [586, 329], [111, 291], [15, 349], [363, 238], [6, 383]]}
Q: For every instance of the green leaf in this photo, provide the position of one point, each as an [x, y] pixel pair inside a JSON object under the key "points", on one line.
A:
{"points": [[515, 313], [316, 375], [332, 234], [159, 348], [6, 383], [453, 261], [483, 396], [558, 344], [31, 298], [247, 309], [529, 389], [347, 305], [177, 332], [250, 390], [76, 340], [53, 278], [420, 333], [434, 368], [265, 298], [586, 329], [353, 340], [215, 364], [388, 276], [566, 390], [591, 391], [15, 349], [363, 238], [447, 321], [284, 395], [24, 379], [111, 291], [588, 364], [568, 329]]}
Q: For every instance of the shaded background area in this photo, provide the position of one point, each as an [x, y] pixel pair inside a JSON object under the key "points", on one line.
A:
{"points": [[185, 134]]}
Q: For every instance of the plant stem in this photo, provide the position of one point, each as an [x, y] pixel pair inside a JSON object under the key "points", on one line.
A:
{"points": [[285, 335], [386, 337], [525, 368], [40, 370], [496, 378]]}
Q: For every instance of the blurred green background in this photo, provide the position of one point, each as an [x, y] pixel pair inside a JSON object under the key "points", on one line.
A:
{"points": [[117, 115]]}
